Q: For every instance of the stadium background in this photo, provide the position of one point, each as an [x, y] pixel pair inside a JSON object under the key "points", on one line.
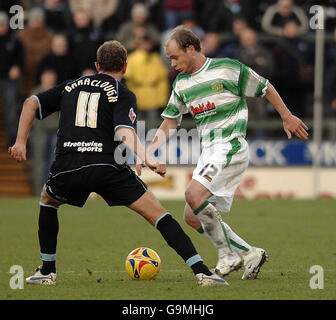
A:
{"points": [[59, 40]]}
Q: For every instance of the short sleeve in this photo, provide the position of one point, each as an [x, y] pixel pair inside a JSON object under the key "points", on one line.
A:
{"points": [[251, 84], [175, 108], [125, 111], [49, 101]]}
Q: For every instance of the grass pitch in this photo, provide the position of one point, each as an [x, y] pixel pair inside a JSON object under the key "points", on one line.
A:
{"points": [[94, 241]]}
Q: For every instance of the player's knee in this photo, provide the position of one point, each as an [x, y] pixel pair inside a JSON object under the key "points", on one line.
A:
{"points": [[191, 198], [48, 200], [187, 218], [187, 212]]}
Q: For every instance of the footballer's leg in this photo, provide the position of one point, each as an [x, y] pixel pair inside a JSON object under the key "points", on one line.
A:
{"points": [[237, 243], [151, 209], [196, 198], [253, 257], [47, 234]]}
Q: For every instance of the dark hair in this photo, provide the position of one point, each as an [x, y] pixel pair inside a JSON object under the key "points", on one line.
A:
{"points": [[111, 56], [184, 38]]}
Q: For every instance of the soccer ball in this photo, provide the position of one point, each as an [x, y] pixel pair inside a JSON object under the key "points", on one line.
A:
{"points": [[143, 264]]}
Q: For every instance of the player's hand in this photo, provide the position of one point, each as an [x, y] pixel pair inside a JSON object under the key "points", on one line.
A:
{"points": [[139, 165], [18, 152], [294, 125], [157, 167]]}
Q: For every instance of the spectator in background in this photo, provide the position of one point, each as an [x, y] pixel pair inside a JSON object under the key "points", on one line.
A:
{"points": [[99, 9], [192, 24], [250, 10], [147, 77], [331, 50], [333, 101], [211, 46], [122, 14], [232, 40], [213, 16], [112, 23], [238, 25], [58, 15], [189, 23], [253, 54], [48, 80], [59, 60], [84, 40], [330, 77], [261, 61], [11, 57], [277, 15], [330, 86], [294, 72], [156, 13], [30, 4], [291, 32], [175, 11], [36, 39], [234, 6], [130, 31]]}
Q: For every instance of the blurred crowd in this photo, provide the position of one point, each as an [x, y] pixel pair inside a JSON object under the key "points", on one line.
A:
{"points": [[60, 38]]}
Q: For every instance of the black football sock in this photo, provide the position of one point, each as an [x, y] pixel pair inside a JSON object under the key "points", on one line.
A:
{"points": [[47, 233], [181, 243]]}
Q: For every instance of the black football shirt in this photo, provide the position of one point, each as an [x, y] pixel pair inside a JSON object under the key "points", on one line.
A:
{"points": [[91, 109]]}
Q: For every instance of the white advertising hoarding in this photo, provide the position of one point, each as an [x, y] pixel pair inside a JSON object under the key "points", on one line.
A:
{"points": [[257, 183]]}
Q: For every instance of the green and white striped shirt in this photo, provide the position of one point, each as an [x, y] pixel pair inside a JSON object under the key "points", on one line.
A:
{"points": [[215, 96]]}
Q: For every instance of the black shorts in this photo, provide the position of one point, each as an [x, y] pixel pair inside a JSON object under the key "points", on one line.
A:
{"points": [[73, 177]]}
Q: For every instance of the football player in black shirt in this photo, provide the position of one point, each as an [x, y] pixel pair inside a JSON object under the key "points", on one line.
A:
{"points": [[97, 115]]}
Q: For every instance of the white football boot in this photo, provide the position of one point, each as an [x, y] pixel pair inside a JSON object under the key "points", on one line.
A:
{"points": [[230, 262], [209, 281], [253, 262], [39, 278]]}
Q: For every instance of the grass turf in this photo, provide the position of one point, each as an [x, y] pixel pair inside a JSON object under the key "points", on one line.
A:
{"points": [[94, 241]]}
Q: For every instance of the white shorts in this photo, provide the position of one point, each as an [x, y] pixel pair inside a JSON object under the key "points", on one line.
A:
{"points": [[220, 169]]}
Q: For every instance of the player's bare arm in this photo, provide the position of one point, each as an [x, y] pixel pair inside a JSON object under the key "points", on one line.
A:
{"points": [[167, 128], [18, 151], [291, 123], [131, 140]]}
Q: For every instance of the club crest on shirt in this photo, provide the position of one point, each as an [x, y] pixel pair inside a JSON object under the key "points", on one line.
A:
{"points": [[217, 87], [132, 115]]}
